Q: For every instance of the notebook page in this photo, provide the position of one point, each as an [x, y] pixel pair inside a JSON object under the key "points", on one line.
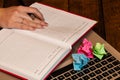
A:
{"points": [[62, 25], [30, 56]]}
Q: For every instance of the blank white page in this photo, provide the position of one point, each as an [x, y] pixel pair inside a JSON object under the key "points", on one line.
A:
{"points": [[29, 55], [62, 25]]}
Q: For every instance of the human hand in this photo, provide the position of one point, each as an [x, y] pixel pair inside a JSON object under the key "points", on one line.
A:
{"points": [[17, 17]]}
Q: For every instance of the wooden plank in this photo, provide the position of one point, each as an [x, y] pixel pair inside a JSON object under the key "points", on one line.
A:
{"points": [[1, 3], [90, 9], [111, 10], [8, 3], [61, 4], [28, 2]]}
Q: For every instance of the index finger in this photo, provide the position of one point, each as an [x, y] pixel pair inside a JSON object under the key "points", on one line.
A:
{"points": [[33, 10]]}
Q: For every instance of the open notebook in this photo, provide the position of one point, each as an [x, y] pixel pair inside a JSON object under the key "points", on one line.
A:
{"points": [[34, 54]]}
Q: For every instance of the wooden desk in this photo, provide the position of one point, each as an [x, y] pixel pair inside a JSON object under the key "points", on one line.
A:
{"points": [[1, 3], [92, 36]]}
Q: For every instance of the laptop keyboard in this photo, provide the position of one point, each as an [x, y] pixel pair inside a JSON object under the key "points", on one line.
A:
{"points": [[106, 69]]}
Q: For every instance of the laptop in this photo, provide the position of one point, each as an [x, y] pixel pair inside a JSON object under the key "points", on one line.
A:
{"points": [[106, 69]]}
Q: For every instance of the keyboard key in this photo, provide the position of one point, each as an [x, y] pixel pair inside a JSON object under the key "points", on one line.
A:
{"points": [[91, 63], [86, 66], [86, 71], [73, 71], [111, 71], [74, 77], [115, 74], [97, 60], [111, 59], [61, 77], [116, 63], [103, 68], [92, 68], [92, 74], [109, 77], [117, 68], [104, 62], [99, 77], [97, 71], [86, 77], [109, 65], [105, 74], [80, 74], [67, 74], [98, 65]]}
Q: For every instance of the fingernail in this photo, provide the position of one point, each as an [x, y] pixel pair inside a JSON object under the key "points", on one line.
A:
{"points": [[44, 23]]}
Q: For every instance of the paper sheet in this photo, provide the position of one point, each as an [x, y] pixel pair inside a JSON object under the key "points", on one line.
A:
{"points": [[86, 48], [99, 50], [80, 60]]}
